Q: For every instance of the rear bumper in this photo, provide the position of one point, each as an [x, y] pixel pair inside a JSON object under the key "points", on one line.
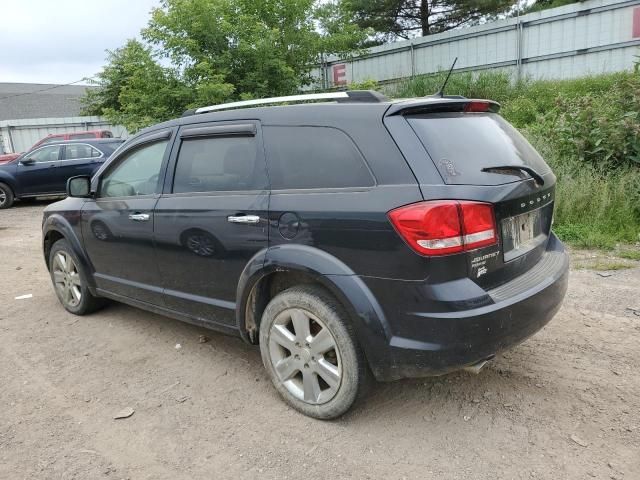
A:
{"points": [[424, 343]]}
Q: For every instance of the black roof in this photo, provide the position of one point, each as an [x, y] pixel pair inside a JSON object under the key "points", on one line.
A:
{"points": [[322, 113]]}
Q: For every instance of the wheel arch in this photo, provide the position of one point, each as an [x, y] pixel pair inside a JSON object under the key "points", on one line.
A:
{"points": [[275, 269], [55, 228], [10, 181]]}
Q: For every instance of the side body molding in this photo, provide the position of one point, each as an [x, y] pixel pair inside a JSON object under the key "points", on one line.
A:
{"points": [[368, 317]]}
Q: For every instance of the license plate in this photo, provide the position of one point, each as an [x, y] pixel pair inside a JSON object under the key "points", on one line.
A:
{"points": [[521, 233]]}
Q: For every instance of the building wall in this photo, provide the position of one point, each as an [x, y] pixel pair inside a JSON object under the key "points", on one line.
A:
{"points": [[20, 135], [589, 37]]}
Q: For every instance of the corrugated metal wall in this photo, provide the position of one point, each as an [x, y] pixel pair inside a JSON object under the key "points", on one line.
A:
{"points": [[590, 37], [20, 135]]}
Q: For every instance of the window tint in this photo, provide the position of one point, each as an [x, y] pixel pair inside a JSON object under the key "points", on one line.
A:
{"points": [[217, 164], [314, 157], [46, 154], [136, 174], [81, 150], [462, 145]]}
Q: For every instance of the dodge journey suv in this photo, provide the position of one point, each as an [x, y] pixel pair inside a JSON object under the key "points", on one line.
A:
{"points": [[349, 236]]}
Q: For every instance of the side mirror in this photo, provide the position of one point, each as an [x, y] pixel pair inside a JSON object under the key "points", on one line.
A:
{"points": [[27, 161], [79, 187]]}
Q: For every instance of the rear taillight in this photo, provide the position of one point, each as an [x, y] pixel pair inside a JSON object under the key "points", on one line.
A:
{"points": [[443, 227]]}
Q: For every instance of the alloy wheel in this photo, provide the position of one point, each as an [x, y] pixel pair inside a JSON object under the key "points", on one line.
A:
{"points": [[67, 279], [305, 356], [3, 197]]}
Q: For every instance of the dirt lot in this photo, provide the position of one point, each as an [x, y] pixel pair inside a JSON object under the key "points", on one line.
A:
{"points": [[565, 404]]}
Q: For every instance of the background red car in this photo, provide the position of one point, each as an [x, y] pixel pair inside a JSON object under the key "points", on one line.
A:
{"points": [[56, 137]]}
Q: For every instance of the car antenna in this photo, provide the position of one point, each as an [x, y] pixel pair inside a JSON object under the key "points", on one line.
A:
{"points": [[440, 92]]}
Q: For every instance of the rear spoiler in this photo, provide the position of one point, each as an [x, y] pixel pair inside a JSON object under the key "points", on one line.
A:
{"points": [[442, 105]]}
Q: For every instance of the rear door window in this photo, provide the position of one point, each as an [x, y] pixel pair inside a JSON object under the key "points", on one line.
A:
{"points": [[461, 145], [314, 157], [219, 164], [80, 151]]}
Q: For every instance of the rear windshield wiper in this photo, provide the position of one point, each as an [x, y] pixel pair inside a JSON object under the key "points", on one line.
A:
{"points": [[502, 168]]}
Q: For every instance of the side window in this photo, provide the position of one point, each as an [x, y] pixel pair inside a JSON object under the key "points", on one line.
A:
{"points": [[135, 174], [313, 157], [80, 150], [46, 154], [216, 164]]}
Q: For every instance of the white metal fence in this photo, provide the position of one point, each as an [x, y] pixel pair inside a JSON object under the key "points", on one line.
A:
{"points": [[20, 135], [589, 37]]}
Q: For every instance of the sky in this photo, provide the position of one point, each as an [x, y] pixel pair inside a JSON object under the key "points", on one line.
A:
{"points": [[61, 41]]}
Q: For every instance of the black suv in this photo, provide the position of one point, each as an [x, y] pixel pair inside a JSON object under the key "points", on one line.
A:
{"points": [[353, 238]]}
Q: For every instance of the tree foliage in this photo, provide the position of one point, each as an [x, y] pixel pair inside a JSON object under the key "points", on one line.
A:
{"points": [[202, 52], [393, 19], [539, 5]]}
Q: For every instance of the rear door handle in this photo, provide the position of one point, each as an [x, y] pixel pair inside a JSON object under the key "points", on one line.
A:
{"points": [[246, 219], [139, 217]]}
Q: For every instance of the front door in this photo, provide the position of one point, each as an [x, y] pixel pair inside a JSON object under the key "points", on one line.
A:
{"points": [[37, 171], [211, 218], [117, 227]]}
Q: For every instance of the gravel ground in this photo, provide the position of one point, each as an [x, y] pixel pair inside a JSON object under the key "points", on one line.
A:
{"points": [[564, 404]]}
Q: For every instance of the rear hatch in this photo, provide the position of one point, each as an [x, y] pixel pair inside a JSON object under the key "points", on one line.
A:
{"points": [[479, 156]]}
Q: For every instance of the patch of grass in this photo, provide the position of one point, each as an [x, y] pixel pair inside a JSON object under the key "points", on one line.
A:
{"points": [[629, 254], [603, 265]]}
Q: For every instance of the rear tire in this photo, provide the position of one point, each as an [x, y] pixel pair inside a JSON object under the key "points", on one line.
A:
{"points": [[311, 353], [6, 196], [70, 280]]}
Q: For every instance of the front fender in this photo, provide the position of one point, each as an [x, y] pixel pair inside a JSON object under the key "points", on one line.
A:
{"points": [[9, 179], [56, 225], [370, 323]]}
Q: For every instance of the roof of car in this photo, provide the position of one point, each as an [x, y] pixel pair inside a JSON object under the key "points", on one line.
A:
{"points": [[314, 114], [96, 141]]}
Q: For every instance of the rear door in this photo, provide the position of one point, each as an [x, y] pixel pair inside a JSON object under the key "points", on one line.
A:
{"points": [[480, 156], [212, 217], [78, 159], [117, 226], [37, 171]]}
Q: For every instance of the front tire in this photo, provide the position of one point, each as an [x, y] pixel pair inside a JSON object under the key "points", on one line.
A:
{"points": [[6, 196], [311, 354], [70, 280]]}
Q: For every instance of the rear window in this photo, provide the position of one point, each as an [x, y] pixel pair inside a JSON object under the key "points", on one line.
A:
{"points": [[461, 145], [314, 157]]}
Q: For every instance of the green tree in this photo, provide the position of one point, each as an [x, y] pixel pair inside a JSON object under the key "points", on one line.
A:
{"points": [[134, 90], [262, 47], [539, 5], [203, 52], [393, 19]]}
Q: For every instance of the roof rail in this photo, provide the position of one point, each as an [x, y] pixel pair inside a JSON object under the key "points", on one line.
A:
{"points": [[353, 96]]}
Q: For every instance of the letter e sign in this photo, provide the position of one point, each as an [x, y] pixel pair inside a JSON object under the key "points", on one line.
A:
{"points": [[340, 74]]}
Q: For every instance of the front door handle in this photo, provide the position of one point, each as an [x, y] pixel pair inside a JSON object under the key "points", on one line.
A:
{"points": [[246, 219], [139, 217]]}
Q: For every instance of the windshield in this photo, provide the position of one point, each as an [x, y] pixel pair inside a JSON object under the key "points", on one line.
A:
{"points": [[462, 144]]}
